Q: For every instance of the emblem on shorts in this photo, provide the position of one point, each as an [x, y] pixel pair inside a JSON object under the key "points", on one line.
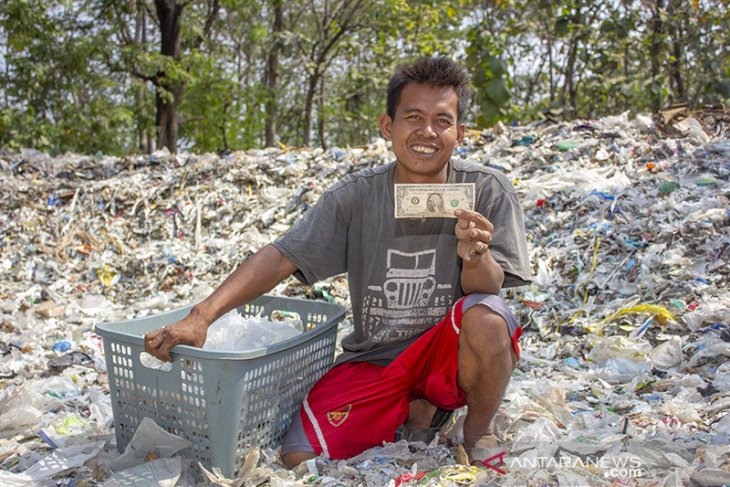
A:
{"points": [[336, 418]]}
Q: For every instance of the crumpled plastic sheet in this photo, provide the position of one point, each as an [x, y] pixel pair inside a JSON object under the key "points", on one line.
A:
{"points": [[624, 377]]}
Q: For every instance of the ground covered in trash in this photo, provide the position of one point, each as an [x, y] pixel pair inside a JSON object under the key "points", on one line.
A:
{"points": [[624, 377]]}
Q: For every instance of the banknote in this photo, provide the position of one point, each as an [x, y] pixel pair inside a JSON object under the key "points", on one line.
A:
{"points": [[432, 200]]}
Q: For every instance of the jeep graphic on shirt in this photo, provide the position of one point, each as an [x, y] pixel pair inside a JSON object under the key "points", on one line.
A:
{"points": [[408, 297]]}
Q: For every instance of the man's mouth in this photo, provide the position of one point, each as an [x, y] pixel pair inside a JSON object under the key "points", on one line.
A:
{"points": [[422, 149]]}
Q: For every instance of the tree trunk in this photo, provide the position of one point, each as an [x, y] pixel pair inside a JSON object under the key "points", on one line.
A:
{"points": [[569, 74], [550, 66], [532, 81], [272, 74], [222, 126], [677, 72], [657, 31], [169, 13], [320, 113], [140, 38], [311, 90], [675, 65]]}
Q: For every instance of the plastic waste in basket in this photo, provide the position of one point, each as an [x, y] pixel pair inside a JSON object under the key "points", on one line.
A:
{"points": [[222, 402]]}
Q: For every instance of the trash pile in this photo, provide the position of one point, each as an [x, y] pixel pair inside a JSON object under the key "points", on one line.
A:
{"points": [[624, 377]]}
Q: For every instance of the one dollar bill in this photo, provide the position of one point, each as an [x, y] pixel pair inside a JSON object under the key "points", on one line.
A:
{"points": [[432, 200]]}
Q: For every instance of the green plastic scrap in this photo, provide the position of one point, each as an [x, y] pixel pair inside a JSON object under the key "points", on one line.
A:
{"points": [[71, 423], [705, 181], [433, 474], [668, 187], [324, 293], [567, 145]]}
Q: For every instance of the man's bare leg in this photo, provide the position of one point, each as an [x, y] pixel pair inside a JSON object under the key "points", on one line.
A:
{"points": [[420, 415], [486, 362], [294, 458]]}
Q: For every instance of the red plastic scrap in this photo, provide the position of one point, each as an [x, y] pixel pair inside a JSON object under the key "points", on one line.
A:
{"points": [[408, 477]]}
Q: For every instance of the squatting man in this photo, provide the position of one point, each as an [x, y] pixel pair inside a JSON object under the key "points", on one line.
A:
{"points": [[431, 332]]}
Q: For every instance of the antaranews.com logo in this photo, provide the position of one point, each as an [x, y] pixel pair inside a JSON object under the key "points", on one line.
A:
{"points": [[613, 467]]}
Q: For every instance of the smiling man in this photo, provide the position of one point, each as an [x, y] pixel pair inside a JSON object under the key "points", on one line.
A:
{"points": [[431, 332]]}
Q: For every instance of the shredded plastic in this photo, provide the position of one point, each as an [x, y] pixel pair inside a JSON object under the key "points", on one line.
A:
{"points": [[624, 376]]}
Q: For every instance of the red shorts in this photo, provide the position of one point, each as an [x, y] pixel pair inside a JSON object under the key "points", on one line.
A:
{"points": [[358, 405]]}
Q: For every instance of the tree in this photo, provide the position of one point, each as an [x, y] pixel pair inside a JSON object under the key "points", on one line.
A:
{"points": [[209, 75], [169, 88], [57, 94], [331, 22], [272, 71]]}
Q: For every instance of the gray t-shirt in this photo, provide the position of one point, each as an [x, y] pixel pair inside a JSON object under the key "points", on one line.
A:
{"points": [[404, 274]]}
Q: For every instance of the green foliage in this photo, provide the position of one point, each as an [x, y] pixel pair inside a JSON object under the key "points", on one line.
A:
{"points": [[58, 95], [490, 75], [82, 76]]}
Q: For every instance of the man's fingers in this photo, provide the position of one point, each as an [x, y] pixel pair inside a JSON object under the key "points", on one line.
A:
{"points": [[480, 236], [158, 343], [473, 234], [164, 353], [462, 228], [472, 216], [477, 249], [467, 220]]}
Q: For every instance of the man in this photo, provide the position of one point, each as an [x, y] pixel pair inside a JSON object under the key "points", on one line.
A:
{"points": [[419, 346]]}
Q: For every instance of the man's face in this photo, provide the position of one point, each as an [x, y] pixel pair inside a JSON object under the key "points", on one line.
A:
{"points": [[424, 132]]}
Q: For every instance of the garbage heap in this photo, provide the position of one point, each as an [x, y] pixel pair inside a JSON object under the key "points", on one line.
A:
{"points": [[624, 376]]}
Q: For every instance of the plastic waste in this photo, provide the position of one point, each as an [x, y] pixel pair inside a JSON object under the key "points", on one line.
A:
{"points": [[668, 354], [164, 472], [233, 332], [152, 362], [626, 332], [61, 459], [149, 441]]}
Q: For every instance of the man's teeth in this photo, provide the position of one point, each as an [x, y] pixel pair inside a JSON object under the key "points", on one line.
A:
{"points": [[423, 149]]}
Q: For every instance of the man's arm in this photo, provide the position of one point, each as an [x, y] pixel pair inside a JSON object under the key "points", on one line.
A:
{"points": [[480, 273], [257, 275]]}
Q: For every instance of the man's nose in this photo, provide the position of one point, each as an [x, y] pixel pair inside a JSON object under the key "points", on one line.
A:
{"points": [[427, 130]]}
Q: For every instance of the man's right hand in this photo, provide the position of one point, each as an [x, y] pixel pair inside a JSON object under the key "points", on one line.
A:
{"points": [[191, 330], [255, 276]]}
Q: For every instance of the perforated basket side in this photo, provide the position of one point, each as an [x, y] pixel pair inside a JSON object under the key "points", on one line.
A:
{"points": [[275, 388], [222, 402], [175, 400]]}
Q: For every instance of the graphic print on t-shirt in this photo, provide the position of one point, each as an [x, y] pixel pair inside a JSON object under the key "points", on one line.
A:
{"points": [[409, 300]]}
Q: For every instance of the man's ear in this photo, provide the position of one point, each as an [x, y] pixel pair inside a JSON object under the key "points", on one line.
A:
{"points": [[385, 125], [460, 131]]}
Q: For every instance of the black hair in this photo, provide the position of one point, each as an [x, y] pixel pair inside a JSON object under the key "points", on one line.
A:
{"points": [[434, 71]]}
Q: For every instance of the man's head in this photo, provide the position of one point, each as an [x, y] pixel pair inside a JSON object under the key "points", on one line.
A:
{"points": [[426, 102], [433, 71]]}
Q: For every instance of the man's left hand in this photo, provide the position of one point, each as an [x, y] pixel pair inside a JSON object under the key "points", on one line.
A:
{"points": [[474, 233]]}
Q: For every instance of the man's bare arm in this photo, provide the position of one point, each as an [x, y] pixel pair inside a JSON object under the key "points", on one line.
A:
{"points": [[257, 275]]}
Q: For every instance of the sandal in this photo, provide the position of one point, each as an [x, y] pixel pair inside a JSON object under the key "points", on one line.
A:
{"points": [[486, 451]]}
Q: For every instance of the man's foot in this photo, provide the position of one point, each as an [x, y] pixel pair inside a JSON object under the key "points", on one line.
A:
{"points": [[424, 423], [294, 458], [484, 449]]}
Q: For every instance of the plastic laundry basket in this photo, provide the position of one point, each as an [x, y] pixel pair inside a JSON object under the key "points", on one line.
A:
{"points": [[222, 402]]}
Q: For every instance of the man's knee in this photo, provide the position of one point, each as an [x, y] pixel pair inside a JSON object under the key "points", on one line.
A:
{"points": [[485, 337], [480, 324]]}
